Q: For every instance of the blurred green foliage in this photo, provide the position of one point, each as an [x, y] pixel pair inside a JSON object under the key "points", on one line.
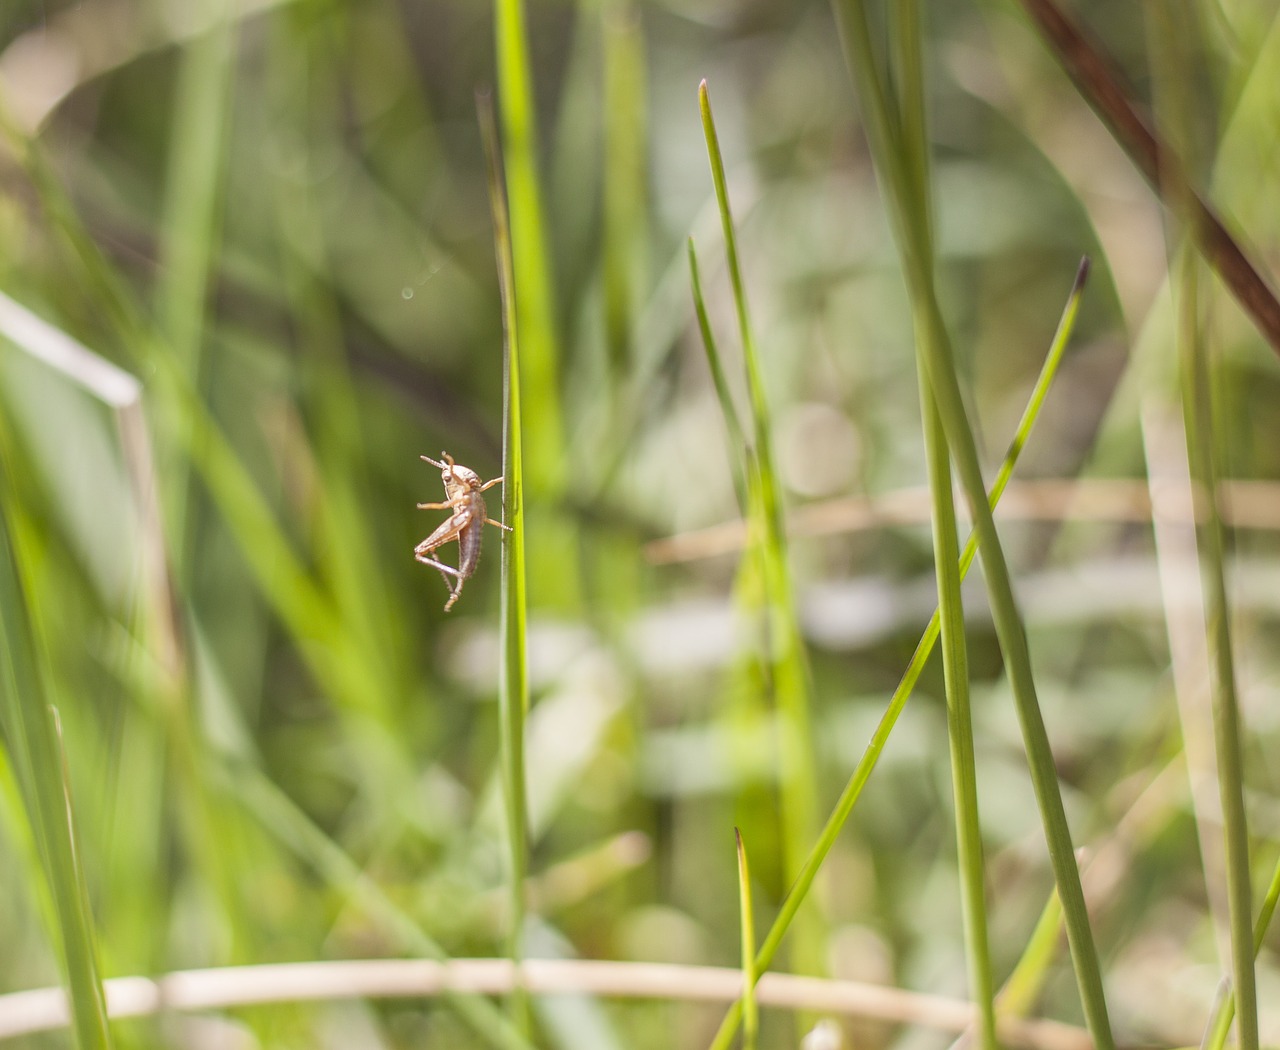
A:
{"points": [[274, 215]]}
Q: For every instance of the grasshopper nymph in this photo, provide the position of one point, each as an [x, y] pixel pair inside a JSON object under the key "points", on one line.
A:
{"points": [[462, 488]]}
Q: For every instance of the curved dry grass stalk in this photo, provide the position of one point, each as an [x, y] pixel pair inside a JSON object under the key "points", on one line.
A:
{"points": [[44, 1009], [44, 66], [1246, 504]]}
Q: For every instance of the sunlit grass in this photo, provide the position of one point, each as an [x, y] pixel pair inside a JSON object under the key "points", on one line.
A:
{"points": [[862, 772], [513, 696], [908, 209], [33, 734], [264, 248], [767, 554]]}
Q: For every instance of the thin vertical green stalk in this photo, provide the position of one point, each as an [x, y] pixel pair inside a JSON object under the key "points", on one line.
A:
{"points": [[1172, 49], [530, 256], [513, 696], [737, 439], [192, 190], [1197, 393], [955, 658], [189, 233], [862, 772], [750, 1009], [199, 120], [936, 358], [1220, 1023], [298, 92], [1028, 975], [785, 645], [34, 736], [624, 177], [955, 672]]}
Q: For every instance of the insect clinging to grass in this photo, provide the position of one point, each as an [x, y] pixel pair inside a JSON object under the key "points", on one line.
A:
{"points": [[462, 488]]}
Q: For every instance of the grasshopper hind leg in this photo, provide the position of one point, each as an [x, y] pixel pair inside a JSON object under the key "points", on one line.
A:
{"points": [[453, 579]]}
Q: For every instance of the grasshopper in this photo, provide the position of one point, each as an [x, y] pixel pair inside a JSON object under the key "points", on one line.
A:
{"points": [[462, 488]]}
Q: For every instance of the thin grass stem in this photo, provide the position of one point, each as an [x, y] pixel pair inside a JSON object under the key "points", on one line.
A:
{"points": [[905, 26], [513, 689], [911, 233], [750, 1009], [1199, 421], [862, 772], [1170, 28], [791, 688], [1220, 1023], [737, 439]]}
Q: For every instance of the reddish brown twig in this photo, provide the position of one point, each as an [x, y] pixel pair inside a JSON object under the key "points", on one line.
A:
{"points": [[1095, 77]]}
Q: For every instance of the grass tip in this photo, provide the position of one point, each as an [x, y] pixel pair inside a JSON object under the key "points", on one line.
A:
{"points": [[1082, 274]]}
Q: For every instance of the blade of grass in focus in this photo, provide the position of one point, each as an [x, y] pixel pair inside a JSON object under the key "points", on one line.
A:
{"points": [[905, 35], [871, 756], [33, 734], [933, 346], [513, 689], [750, 1009], [784, 643]]}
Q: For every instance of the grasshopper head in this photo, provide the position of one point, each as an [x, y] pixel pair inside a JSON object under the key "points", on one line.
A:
{"points": [[452, 474]]}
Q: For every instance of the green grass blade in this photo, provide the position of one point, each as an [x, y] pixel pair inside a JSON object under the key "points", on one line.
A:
{"points": [[343, 543], [785, 644], [199, 118], [1171, 30], [531, 261], [33, 733], [934, 349], [750, 1009], [1220, 1024], [737, 439], [1027, 978], [905, 26], [866, 765], [276, 812], [955, 670], [624, 181], [1197, 391], [533, 267], [513, 696], [286, 585]]}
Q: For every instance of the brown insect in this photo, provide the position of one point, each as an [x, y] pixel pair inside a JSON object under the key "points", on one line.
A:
{"points": [[462, 487]]}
